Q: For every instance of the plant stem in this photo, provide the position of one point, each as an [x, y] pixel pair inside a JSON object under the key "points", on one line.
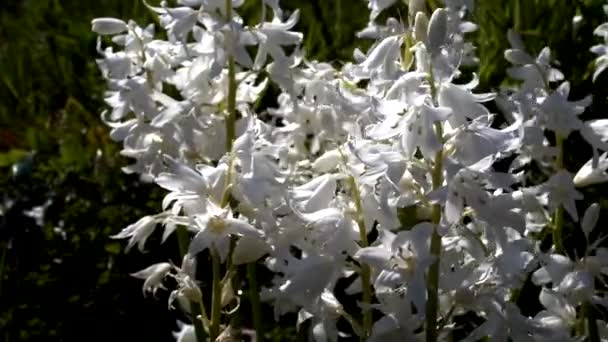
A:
{"points": [[199, 329], [196, 309], [517, 16], [558, 220], [232, 88], [365, 272], [254, 297], [216, 304], [230, 137], [230, 121], [182, 240], [432, 281]]}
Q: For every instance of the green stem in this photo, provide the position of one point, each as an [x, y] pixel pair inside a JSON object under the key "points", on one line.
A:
{"points": [[199, 329], [517, 16], [254, 297], [196, 309], [558, 219], [225, 200], [183, 240], [230, 120], [365, 272], [232, 88], [432, 281], [216, 305], [558, 230]]}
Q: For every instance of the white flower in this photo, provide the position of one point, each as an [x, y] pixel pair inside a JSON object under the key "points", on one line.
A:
{"points": [[214, 229], [562, 192], [401, 261], [559, 315], [154, 276], [178, 21], [419, 124], [190, 188], [464, 104], [560, 115], [187, 286], [271, 36], [138, 232]]}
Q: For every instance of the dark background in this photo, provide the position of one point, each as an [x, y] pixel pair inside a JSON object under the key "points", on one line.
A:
{"points": [[64, 279]]}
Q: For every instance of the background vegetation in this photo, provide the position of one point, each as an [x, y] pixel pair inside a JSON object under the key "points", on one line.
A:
{"points": [[61, 277]]}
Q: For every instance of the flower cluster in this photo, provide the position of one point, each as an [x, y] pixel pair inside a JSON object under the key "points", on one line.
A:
{"points": [[388, 174]]}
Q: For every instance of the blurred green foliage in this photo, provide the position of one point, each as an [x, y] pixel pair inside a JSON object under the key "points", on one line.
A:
{"points": [[66, 280]]}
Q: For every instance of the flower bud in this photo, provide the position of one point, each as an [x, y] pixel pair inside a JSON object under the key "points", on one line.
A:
{"points": [[437, 31], [227, 293], [108, 26], [590, 218], [421, 24]]}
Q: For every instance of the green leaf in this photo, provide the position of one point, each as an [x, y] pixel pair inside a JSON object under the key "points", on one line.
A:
{"points": [[11, 157]]}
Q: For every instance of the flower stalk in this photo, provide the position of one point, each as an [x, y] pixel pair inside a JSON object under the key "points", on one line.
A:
{"points": [[230, 122], [432, 304], [365, 272], [216, 305], [231, 118], [432, 281], [254, 291], [197, 309], [558, 219]]}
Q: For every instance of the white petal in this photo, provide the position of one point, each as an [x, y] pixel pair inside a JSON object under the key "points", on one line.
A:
{"points": [[327, 162], [377, 256], [201, 241], [249, 249], [589, 175], [453, 207], [590, 218], [108, 26], [557, 304], [241, 227]]}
